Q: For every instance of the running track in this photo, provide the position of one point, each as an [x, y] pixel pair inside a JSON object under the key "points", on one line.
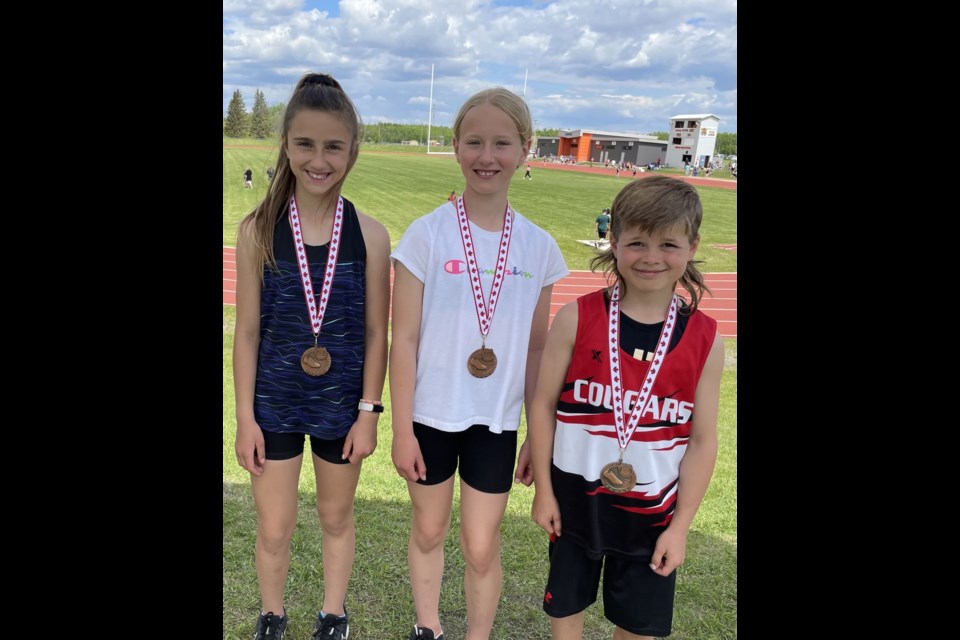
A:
{"points": [[722, 306]]}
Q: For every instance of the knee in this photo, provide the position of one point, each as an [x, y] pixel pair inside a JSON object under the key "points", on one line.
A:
{"points": [[480, 553], [335, 521], [427, 537], [274, 538]]}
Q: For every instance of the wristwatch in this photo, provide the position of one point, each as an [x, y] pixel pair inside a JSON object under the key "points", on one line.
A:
{"points": [[369, 406]]}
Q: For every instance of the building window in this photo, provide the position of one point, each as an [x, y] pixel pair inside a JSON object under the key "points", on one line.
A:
{"points": [[679, 124], [692, 124], [676, 141]]}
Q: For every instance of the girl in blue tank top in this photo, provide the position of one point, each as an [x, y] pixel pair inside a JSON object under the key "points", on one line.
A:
{"points": [[310, 349]]}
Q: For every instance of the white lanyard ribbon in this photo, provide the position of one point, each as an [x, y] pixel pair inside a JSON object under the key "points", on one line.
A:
{"points": [[624, 433], [484, 311], [316, 311]]}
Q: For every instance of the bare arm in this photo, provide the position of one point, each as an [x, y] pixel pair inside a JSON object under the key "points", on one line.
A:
{"points": [[538, 338], [249, 445], [407, 311], [362, 439], [542, 414], [697, 465]]}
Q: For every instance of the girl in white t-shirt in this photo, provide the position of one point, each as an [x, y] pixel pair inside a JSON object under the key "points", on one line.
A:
{"points": [[471, 303]]}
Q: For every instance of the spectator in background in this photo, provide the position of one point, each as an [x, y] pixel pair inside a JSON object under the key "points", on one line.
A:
{"points": [[602, 225]]}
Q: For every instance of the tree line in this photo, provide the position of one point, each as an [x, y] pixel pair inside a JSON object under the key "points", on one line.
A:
{"points": [[265, 122]]}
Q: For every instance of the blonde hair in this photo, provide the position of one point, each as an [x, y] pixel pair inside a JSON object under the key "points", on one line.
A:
{"points": [[505, 100]]}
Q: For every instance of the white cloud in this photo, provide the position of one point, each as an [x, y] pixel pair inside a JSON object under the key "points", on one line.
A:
{"points": [[614, 65]]}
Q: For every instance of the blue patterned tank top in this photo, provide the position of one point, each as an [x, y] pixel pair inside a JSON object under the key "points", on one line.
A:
{"points": [[286, 399]]}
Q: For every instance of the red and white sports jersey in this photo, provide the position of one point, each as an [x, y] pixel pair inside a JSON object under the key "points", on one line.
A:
{"points": [[626, 524]]}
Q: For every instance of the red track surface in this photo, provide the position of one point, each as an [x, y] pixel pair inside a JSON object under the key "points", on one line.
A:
{"points": [[722, 306]]}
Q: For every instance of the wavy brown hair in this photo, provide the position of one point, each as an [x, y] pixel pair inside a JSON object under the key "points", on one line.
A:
{"points": [[316, 92], [656, 204]]}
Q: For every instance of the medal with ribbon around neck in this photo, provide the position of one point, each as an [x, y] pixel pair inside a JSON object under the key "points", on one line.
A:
{"points": [[619, 476], [315, 361], [483, 361]]}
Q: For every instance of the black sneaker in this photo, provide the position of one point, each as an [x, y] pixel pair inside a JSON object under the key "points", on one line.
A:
{"points": [[422, 633], [271, 627], [332, 627]]}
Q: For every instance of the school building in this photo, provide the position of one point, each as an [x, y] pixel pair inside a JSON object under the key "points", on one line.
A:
{"points": [[692, 138], [587, 145]]}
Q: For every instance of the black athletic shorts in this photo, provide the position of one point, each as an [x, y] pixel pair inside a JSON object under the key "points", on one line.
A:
{"points": [[283, 446], [486, 459], [634, 597]]}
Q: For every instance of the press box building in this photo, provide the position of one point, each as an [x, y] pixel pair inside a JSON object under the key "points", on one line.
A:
{"points": [[692, 138]]}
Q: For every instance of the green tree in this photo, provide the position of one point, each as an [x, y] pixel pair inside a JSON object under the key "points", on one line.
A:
{"points": [[276, 112], [236, 126], [727, 144], [659, 135], [395, 133], [260, 124]]}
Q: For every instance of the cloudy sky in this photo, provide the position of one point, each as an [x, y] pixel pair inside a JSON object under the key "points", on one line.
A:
{"points": [[608, 65]]}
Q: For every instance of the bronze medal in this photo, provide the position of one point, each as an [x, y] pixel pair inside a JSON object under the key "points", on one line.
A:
{"points": [[618, 477], [315, 361], [482, 362]]}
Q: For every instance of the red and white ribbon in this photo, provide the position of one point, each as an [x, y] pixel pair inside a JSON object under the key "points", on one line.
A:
{"points": [[316, 310], [625, 432], [484, 311]]}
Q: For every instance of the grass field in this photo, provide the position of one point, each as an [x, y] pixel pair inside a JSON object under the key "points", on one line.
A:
{"points": [[397, 189]]}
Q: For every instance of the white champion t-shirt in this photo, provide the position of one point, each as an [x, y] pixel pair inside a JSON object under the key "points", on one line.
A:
{"points": [[446, 396]]}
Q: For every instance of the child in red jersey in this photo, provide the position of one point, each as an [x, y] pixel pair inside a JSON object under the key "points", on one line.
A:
{"points": [[623, 423]]}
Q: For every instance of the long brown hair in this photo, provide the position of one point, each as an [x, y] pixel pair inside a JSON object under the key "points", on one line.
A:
{"points": [[316, 92]]}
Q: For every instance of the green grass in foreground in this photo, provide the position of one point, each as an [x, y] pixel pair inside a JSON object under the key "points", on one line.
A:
{"points": [[379, 599], [397, 188]]}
